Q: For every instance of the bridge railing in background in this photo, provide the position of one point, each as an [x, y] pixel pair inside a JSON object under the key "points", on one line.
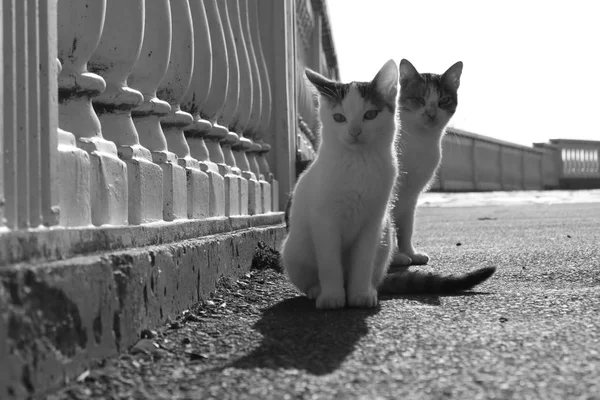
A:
{"points": [[579, 162], [132, 112], [473, 162]]}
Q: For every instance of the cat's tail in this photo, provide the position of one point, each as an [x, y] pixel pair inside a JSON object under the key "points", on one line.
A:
{"points": [[420, 282]]}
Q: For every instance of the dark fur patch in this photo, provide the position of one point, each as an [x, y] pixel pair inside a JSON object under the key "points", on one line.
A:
{"points": [[420, 87], [335, 92], [369, 92]]}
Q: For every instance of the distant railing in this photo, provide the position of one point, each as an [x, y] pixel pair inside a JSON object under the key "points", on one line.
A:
{"points": [[580, 161], [472, 162], [166, 110]]}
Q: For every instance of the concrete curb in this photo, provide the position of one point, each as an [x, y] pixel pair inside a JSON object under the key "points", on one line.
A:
{"points": [[43, 244], [58, 317]]}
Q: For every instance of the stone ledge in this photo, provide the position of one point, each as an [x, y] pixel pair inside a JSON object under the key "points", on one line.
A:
{"points": [[59, 243], [56, 318]]}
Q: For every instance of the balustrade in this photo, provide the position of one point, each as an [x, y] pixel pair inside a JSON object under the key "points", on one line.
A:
{"points": [[162, 111]]}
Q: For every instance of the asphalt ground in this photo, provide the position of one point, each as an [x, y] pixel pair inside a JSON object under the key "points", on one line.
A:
{"points": [[532, 331]]}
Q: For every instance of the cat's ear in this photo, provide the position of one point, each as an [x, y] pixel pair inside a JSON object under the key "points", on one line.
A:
{"points": [[386, 81], [452, 75], [322, 84], [407, 70]]}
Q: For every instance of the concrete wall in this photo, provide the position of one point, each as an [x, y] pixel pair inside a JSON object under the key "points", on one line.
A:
{"points": [[472, 162]]}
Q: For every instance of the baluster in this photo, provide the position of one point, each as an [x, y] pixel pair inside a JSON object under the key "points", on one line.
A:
{"points": [[7, 69], [256, 149], [236, 198], [250, 128], [22, 104], [225, 72], [80, 24], [146, 76], [244, 112], [198, 95], [33, 91], [115, 57], [214, 107], [179, 77], [265, 120], [8, 117], [219, 83], [73, 179]]}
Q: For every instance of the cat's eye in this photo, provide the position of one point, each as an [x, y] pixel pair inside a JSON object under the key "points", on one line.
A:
{"points": [[337, 117], [371, 114], [444, 101]]}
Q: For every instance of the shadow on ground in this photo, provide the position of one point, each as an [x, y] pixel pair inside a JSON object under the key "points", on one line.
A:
{"points": [[297, 336]]}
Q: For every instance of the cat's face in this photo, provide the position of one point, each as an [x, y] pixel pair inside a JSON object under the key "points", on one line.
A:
{"points": [[358, 113], [428, 101]]}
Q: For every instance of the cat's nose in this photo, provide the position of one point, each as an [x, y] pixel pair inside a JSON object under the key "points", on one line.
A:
{"points": [[431, 113], [355, 132]]}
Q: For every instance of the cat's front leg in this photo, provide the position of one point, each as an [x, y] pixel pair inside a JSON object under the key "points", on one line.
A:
{"points": [[328, 249], [361, 291], [404, 220]]}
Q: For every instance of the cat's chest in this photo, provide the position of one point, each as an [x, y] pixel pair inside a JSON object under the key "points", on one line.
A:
{"points": [[358, 191]]}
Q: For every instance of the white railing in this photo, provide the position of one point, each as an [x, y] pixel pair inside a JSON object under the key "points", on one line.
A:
{"points": [[580, 158], [578, 162], [164, 110]]}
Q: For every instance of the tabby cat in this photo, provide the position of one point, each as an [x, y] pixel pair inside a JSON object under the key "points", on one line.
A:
{"points": [[427, 102]]}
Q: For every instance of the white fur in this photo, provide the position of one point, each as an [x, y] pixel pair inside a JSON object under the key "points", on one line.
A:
{"points": [[341, 234]]}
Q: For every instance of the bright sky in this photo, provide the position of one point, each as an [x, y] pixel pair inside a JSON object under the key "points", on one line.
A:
{"points": [[531, 67]]}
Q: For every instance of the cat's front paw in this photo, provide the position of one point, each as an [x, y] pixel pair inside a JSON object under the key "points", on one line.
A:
{"points": [[404, 259], [419, 259], [363, 300], [401, 259], [331, 300]]}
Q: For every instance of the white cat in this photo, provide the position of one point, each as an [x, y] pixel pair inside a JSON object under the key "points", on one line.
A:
{"points": [[339, 247], [426, 104], [340, 232]]}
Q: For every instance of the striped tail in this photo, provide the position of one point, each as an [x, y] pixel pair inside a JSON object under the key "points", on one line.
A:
{"points": [[419, 282]]}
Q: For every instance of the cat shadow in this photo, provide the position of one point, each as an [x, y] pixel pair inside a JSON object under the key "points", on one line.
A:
{"points": [[298, 336]]}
